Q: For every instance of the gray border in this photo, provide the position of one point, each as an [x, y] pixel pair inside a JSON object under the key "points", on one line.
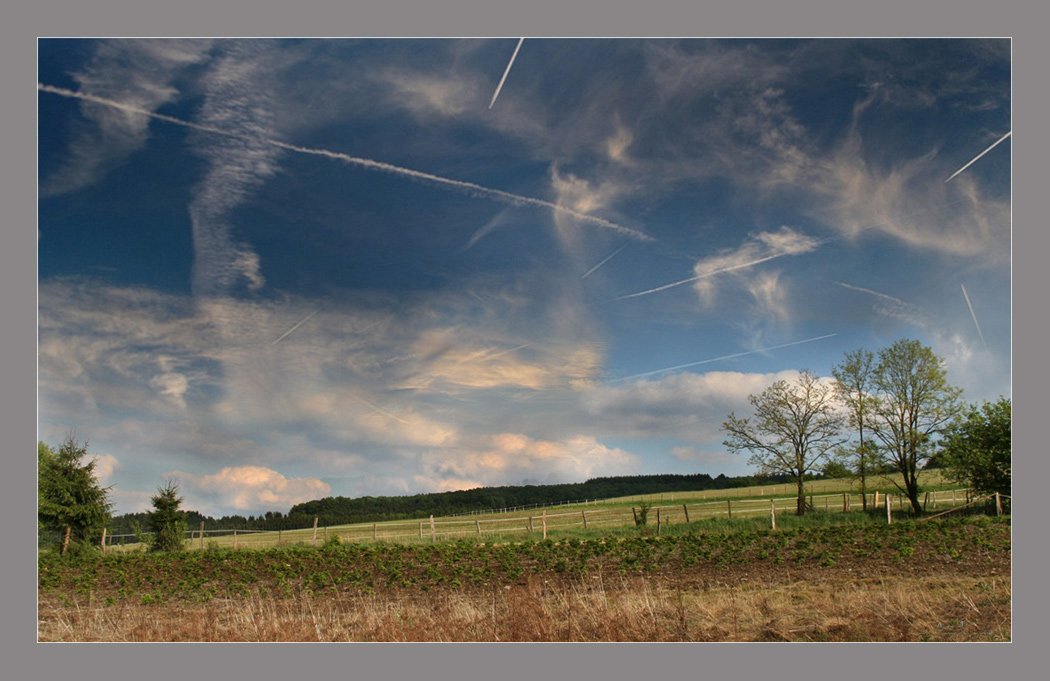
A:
{"points": [[23, 25]]}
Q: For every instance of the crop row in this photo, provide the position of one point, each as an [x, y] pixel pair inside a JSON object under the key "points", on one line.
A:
{"points": [[334, 567]]}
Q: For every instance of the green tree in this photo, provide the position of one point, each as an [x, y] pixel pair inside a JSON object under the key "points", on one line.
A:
{"points": [[915, 405], [853, 385], [166, 521], [977, 447], [70, 499], [794, 428]]}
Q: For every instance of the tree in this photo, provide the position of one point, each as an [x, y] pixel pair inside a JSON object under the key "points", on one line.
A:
{"points": [[976, 447], [915, 404], [853, 386], [793, 429], [166, 521], [70, 498]]}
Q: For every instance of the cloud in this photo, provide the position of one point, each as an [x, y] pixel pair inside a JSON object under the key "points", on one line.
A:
{"points": [[687, 405], [507, 458], [105, 465], [139, 73], [246, 490]]}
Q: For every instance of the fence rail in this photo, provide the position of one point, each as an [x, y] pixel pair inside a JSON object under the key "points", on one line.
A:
{"points": [[530, 523]]}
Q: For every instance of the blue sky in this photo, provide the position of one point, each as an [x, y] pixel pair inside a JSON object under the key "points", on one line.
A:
{"points": [[280, 270]]}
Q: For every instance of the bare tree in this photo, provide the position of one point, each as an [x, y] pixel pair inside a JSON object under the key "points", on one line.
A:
{"points": [[793, 429]]}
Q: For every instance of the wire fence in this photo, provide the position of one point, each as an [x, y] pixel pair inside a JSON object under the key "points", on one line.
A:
{"points": [[528, 523]]}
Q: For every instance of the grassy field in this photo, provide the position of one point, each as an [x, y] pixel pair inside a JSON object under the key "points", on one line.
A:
{"points": [[938, 580], [609, 516]]}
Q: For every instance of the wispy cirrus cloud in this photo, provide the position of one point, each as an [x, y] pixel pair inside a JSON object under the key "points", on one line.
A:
{"points": [[141, 74]]}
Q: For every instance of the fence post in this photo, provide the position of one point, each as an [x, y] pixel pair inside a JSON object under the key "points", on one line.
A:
{"points": [[889, 512], [313, 540], [104, 533], [235, 540], [876, 503], [584, 514], [773, 512], [686, 509], [544, 523], [375, 531], [325, 533], [433, 537], [202, 534], [420, 529], [729, 508], [478, 523], [278, 537], [530, 523], [657, 522], [953, 497]]}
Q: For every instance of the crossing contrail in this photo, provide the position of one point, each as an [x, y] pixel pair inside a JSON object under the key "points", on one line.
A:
{"points": [[289, 331], [979, 156], [505, 72], [377, 409], [469, 187], [607, 259], [719, 359], [967, 296]]}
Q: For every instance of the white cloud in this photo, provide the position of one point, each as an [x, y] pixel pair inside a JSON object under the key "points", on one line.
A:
{"points": [[105, 465], [508, 458], [246, 489], [138, 73]]}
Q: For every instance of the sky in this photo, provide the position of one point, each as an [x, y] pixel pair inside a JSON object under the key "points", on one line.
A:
{"points": [[278, 270]]}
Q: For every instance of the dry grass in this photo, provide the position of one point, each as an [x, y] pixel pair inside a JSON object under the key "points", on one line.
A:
{"points": [[593, 609]]}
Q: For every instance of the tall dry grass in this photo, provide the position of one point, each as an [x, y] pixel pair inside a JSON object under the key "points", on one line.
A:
{"points": [[597, 608]]}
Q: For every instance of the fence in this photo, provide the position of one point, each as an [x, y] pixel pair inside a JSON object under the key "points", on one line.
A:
{"points": [[538, 525]]}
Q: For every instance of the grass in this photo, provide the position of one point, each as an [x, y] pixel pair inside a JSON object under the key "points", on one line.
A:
{"points": [[716, 580], [607, 517]]}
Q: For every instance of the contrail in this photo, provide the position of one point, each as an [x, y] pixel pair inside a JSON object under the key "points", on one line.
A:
{"points": [[979, 156], [874, 293], [701, 276], [375, 408], [719, 359], [965, 295], [289, 331], [505, 72], [469, 187], [607, 259]]}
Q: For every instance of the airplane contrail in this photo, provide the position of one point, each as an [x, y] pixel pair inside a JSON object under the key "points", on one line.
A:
{"points": [[514, 199], [505, 72], [874, 293], [607, 259], [979, 156], [719, 359], [377, 409], [966, 295], [701, 276], [297, 325]]}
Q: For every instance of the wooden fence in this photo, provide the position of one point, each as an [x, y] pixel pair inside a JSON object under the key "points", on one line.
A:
{"points": [[537, 524]]}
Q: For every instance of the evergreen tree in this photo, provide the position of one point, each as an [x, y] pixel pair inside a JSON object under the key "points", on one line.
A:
{"points": [[166, 521], [70, 499]]}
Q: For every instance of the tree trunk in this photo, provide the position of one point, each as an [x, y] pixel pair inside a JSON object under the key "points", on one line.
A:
{"points": [[65, 540], [800, 505]]}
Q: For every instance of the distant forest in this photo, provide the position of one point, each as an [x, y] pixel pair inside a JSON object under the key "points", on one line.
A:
{"points": [[344, 510]]}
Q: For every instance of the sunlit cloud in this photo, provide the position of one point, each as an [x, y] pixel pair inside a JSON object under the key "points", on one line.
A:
{"points": [[246, 489]]}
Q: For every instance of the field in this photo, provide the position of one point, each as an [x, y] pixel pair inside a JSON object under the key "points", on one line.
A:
{"points": [[853, 578]]}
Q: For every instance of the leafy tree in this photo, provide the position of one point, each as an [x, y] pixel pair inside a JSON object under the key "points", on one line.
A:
{"points": [[915, 405], [166, 520], [976, 447], [853, 385], [794, 428], [70, 499]]}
